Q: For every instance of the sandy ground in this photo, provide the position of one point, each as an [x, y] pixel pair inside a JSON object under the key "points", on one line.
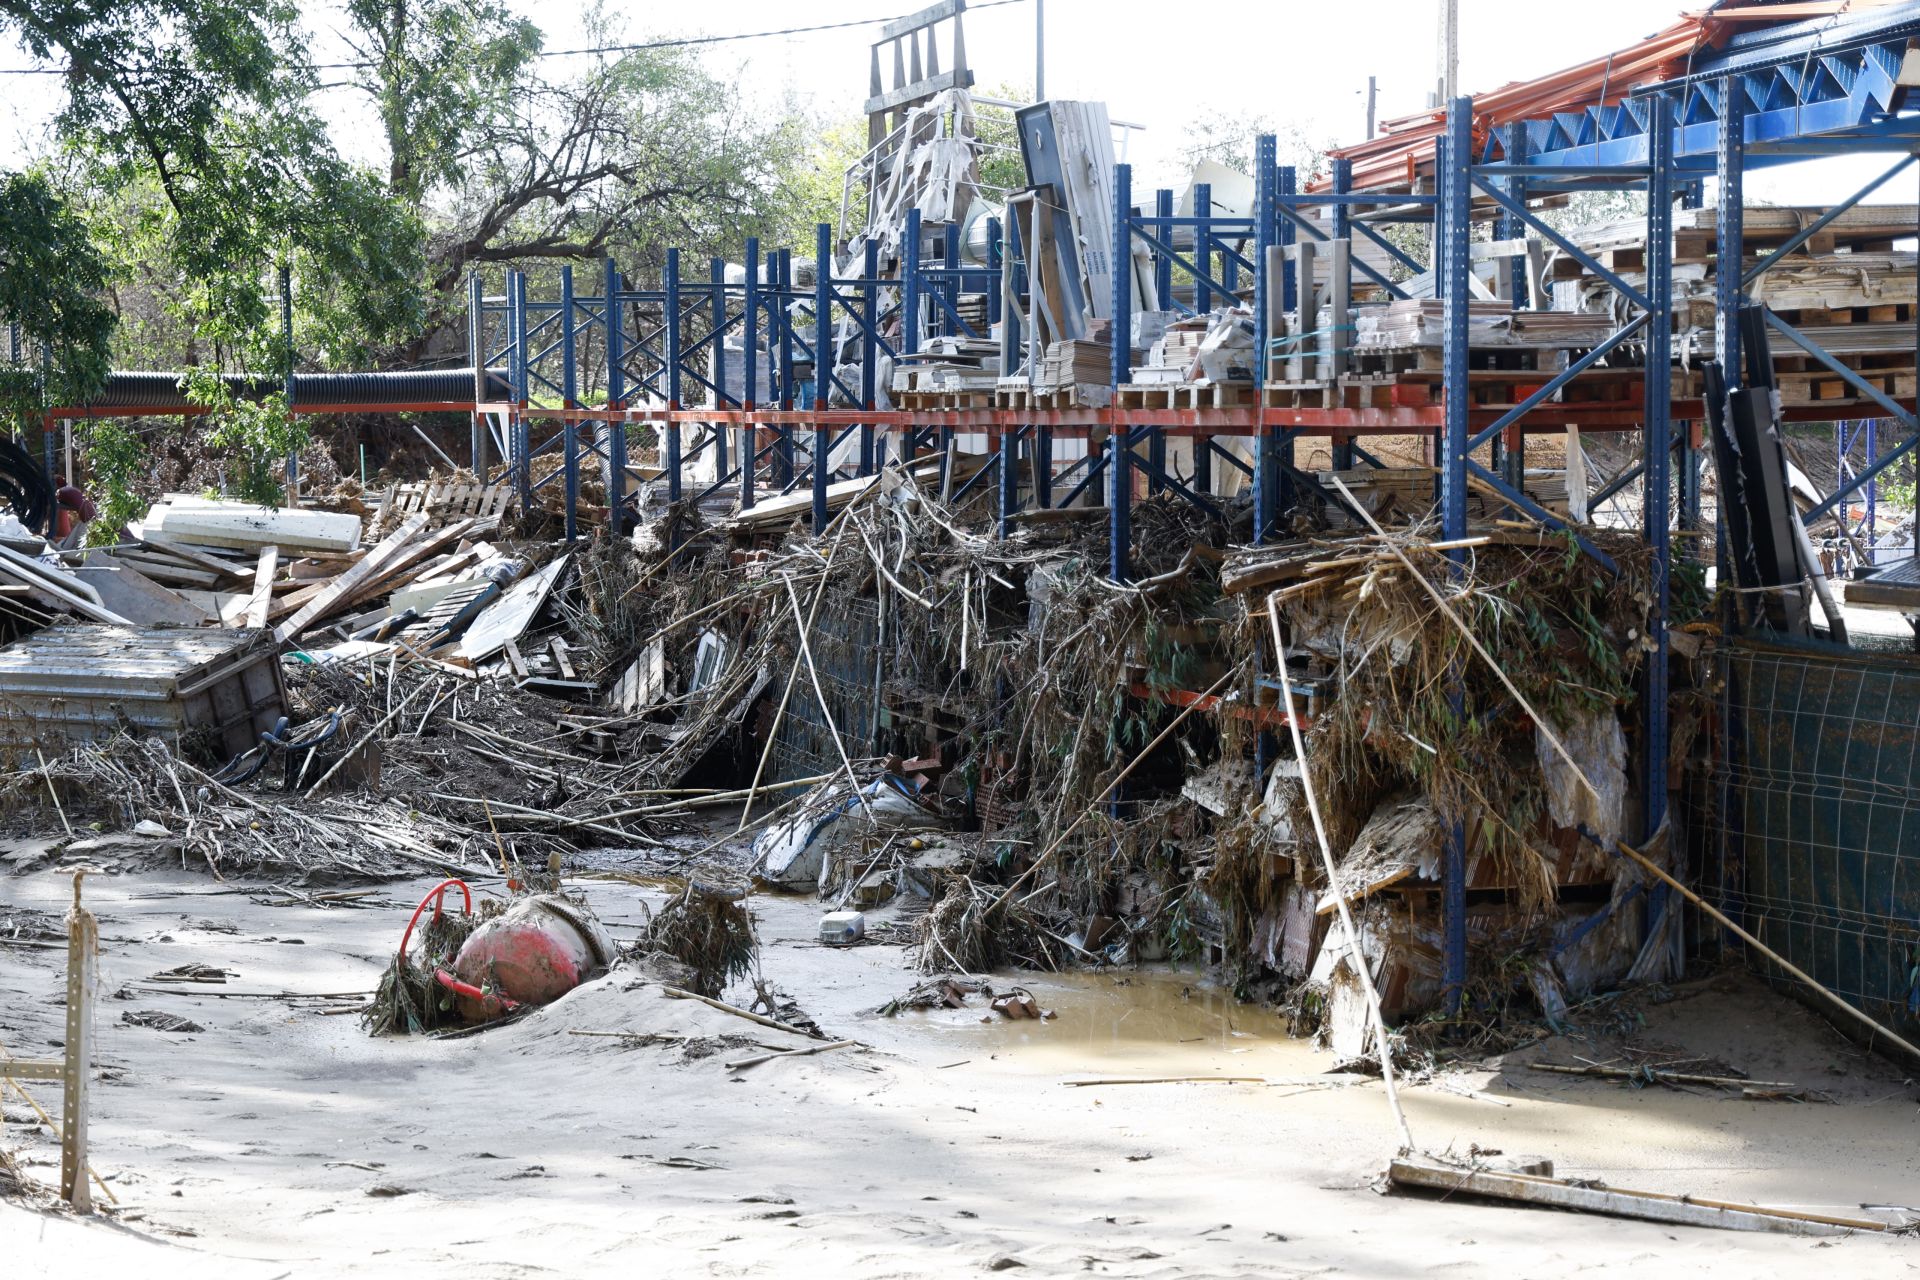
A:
{"points": [[281, 1142]]}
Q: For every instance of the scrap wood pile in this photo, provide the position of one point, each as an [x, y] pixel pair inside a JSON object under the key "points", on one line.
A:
{"points": [[1082, 799], [1046, 767]]}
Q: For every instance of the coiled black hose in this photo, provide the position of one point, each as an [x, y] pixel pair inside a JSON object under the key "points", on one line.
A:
{"points": [[247, 765]]}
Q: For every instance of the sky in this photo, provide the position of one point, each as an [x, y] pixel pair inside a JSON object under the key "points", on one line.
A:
{"points": [[1292, 61]]}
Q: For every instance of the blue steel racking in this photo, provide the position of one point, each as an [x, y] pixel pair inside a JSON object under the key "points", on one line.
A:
{"points": [[1776, 97]]}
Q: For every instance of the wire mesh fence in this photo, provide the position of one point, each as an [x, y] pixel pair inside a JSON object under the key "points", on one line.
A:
{"points": [[845, 643], [1817, 792]]}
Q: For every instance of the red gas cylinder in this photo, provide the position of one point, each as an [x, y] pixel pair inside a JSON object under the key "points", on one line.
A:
{"points": [[536, 951]]}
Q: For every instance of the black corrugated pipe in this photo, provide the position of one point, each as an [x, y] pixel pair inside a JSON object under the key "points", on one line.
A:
{"points": [[161, 392]]}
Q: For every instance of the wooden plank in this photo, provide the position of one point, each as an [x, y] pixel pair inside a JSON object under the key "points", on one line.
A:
{"points": [[644, 680], [191, 555], [342, 587], [560, 658], [515, 661], [167, 570], [262, 597], [1619, 1202], [1329, 903], [390, 575]]}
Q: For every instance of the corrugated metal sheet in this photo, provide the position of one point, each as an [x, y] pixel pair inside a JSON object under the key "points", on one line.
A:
{"points": [[1401, 157]]}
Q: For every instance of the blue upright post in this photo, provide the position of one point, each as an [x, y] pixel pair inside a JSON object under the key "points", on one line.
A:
{"points": [[910, 314], [1265, 215], [950, 259], [1729, 227], [1119, 455], [783, 317], [569, 401], [1156, 448], [1286, 182], [1162, 260], [1040, 436], [1873, 485], [517, 433], [1042, 467], [673, 358], [616, 400], [1510, 448], [1008, 489], [1729, 218], [717, 281], [477, 361], [1202, 246], [1163, 290], [750, 399], [1455, 231], [949, 288], [822, 367], [869, 348], [1656, 460], [1342, 229]]}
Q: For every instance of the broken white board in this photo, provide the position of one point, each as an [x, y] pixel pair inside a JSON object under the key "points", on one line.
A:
{"points": [[507, 618], [245, 526]]}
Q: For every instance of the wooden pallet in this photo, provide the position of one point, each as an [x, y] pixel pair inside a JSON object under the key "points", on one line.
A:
{"points": [[1825, 387], [1078, 396], [945, 401], [1148, 395], [450, 501], [1374, 361], [1359, 392]]}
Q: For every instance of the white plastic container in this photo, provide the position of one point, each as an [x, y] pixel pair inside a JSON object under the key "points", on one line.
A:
{"points": [[837, 928]]}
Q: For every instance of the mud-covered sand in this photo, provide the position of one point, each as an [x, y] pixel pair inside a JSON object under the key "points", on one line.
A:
{"points": [[283, 1142]]}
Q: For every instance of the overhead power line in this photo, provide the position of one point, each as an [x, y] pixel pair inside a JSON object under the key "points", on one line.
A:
{"points": [[680, 43]]}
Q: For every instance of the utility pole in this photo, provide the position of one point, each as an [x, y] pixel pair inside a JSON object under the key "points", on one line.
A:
{"points": [[1373, 94], [1039, 50], [1449, 70]]}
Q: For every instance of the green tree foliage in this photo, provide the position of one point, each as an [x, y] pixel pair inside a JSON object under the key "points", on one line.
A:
{"points": [[438, 72], [50, 282], [517, 160], [203, 162]]}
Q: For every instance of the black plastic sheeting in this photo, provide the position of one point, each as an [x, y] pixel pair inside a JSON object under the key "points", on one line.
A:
{"points": [[161, 392], [24, 486]]}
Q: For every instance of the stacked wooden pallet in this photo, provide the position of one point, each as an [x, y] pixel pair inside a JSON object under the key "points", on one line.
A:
{"points": [[1620, 245], [1421, 322]]}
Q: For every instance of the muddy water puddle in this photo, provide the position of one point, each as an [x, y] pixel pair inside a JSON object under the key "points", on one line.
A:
{"points": [[1148, 1021], [1152, 1021]]}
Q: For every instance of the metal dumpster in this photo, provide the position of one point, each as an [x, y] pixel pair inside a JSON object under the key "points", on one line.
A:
{"points": [[72, 684]]}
